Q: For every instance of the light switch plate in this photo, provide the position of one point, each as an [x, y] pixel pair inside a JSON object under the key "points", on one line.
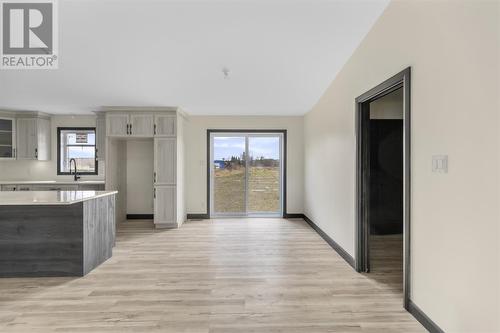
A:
{"points": [[440, 163]]}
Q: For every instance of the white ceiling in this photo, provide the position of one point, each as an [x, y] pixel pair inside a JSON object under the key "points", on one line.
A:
{"points": [[282, 55]]}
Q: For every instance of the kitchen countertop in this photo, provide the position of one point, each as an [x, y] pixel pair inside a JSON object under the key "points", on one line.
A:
{"points": [[50, 182], [13, 198]]}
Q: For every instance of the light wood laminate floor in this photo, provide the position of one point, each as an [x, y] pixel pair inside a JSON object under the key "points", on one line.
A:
{"points": [[217, 276]]}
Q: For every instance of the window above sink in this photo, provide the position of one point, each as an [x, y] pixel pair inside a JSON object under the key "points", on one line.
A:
{"points": [[77, 143]]}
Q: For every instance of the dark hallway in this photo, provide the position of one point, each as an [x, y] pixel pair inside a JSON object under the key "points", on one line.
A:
{"points": [[386, 187]]}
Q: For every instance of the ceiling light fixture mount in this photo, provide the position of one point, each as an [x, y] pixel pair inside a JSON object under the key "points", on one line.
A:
{"points": [[225, 72]]}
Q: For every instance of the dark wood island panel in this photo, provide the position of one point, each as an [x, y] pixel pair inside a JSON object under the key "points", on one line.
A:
{"points": [[56, 240]]}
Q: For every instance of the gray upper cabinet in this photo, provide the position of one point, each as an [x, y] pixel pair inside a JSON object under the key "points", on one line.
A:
{"points": [[101, 138], [165, 161], [33, 139], [7, 138], [141, 125], [44, 138], [117, 124], [130, 125], [26, 138], [165, 125]]}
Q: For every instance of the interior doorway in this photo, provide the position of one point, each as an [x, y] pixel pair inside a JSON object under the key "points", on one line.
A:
{"points": [[383, 182], [246, 173]]}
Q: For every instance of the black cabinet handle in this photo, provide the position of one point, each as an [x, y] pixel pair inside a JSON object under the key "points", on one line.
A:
{"points": [[36, 152], [154, 129], [130, 129], [127, 129], [154, 177], [154, 193]]}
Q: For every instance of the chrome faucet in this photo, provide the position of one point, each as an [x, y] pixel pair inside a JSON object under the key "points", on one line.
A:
{"points": [[76, 173]]}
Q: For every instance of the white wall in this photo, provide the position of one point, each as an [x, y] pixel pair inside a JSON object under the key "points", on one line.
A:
{"points": [[139, 176], [47, 170], [196, 155], [453, 48]]}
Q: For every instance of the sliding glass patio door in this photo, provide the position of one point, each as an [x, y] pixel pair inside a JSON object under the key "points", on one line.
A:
{"points": [[229, 175], [246, 174]]}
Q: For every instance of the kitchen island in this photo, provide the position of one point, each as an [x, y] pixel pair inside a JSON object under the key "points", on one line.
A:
{"points": [[55, 233]]}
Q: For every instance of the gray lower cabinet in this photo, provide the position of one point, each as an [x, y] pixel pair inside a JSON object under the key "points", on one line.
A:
{"points": [[9, 187], [54, 187], [165, 206], [23, 187], [91, 187]]}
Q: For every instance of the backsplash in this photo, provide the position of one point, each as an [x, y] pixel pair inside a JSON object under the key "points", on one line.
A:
{"points": [[40, 170]]}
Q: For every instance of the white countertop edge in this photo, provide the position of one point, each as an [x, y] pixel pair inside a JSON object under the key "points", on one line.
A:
{"points": [[49, 198], [52, 182]]}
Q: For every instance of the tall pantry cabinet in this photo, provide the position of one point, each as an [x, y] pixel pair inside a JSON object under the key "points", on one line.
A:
{"points": [[166, 129]]}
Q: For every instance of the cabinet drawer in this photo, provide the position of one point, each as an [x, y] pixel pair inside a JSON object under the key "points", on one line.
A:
{"points": [[9, 187], [91, 187]]}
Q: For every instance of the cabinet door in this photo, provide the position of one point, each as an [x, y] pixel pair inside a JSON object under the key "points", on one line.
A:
{"points": [[165, 125], [27, 139], [165, 205], [91, 187], [141, 125], [165, 161], [43, 148], [101, 138], [117, 124], [7, 138]]}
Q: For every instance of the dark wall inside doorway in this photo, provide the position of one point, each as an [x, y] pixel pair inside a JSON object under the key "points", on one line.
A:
{"points": [[386, 176]]}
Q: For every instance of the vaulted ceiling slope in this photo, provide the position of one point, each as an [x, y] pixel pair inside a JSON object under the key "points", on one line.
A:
{"points": [[280, 55]]}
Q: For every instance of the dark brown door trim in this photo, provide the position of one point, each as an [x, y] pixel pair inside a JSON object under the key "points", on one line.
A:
{"points": [[400, 80]]}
